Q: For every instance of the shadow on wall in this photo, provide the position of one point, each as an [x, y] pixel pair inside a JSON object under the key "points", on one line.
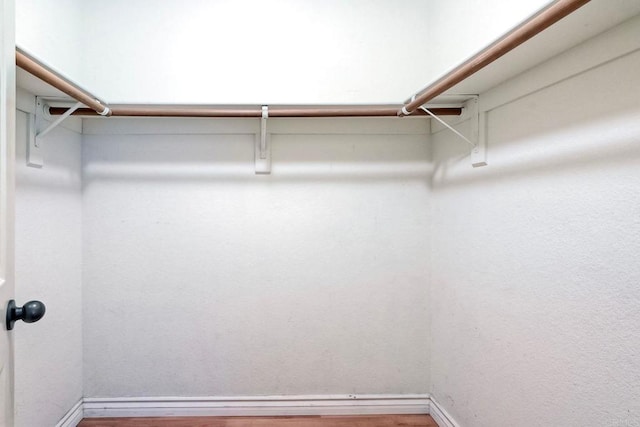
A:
{"points": [[608, 140], [586, 120], [225, 159], [61, 172]]}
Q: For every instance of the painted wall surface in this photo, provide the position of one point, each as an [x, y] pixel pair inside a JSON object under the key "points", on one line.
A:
{"points": [[203, 279], [255, 52], [534, 297], [281, 51], [52, 31], [284, 51], [459, 29], [48, 354]]}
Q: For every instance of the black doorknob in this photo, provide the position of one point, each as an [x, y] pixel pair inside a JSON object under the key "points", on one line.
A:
{"points": [[28, 313]]}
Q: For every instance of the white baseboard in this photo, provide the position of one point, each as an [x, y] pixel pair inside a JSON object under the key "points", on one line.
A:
{"points": [[440, 416], [257, 406], [93, 407], [73, 417]]}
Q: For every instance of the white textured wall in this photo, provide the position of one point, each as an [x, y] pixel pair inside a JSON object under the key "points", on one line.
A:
{"points": [[48, 354], [280, 51], [52, 31], [201, 278], [461, 28], [252, 52], [535, 296], [284, 51]]}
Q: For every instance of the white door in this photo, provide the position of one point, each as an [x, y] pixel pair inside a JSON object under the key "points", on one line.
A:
{"points": [[7, 158]]}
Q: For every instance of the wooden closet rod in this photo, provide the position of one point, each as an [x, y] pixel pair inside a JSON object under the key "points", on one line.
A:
{"points": [[167, 111], [49, 76], [96, 107], [515, 38]]}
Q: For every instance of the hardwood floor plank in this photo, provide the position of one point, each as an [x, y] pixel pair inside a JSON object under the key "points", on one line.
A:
{"points": [[312, 421]]}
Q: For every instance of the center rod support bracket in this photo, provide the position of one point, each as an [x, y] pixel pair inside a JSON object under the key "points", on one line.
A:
{"points": [[263, 145]]}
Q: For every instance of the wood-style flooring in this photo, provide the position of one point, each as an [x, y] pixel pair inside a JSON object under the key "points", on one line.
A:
{"points": [[314, 421]]}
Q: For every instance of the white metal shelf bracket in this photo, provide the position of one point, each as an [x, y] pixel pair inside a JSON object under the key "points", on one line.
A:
{"points": [[263, 145], [478, 132], [477, 135], [35, 136]]}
